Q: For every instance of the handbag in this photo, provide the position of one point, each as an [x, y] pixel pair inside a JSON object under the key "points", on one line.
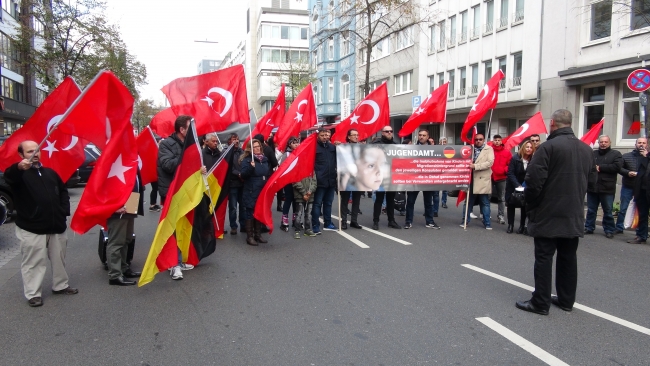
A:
{"points": [[517, 199], [631, 216]]}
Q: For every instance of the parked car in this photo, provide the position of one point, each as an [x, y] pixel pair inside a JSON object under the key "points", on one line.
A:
{"points": [[92, 154]]}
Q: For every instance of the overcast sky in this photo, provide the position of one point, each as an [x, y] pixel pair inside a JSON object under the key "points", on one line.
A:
{"points": [[161, 35]]}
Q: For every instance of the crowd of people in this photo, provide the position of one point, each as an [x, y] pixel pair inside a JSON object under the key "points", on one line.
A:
{"points": [[563, 167]]}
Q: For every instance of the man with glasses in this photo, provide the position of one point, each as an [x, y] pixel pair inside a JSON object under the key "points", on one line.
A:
{"points": [[481, 187], [431, 198], [536, 140], [386, 138]]}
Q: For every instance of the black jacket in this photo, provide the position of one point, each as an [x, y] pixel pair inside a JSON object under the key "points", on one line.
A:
{"points": [[169, 157], [631, 163], [254, 179], [515, 176], [557, 179], [235, 168], [41, 199], [609, 162], [325, 164], [210, 157]]}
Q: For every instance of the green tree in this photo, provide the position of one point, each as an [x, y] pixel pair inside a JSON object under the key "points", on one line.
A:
{"points": [[143, 112], [76, 41]]}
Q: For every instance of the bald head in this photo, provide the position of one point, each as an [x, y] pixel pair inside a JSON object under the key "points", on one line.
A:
{"points": [[27, 149]]}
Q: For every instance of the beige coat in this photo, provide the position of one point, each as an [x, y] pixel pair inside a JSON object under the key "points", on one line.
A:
{"points": [[482, 178]]}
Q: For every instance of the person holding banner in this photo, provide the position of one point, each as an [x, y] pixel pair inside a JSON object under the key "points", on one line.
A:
{"points": [[352, 137], [481, 186], [430, 197], [443, 198], [386, 138]]}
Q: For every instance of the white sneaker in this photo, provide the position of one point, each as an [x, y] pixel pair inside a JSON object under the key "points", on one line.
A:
{"points": [[176, 273], [186, 267], [471, 215]]}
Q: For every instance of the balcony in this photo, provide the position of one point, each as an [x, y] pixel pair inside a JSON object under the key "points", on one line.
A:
{"points": [[474, 33], [518, 16], [451, 93], [473, 90], [488, 28], [502, 24], [502, 84], [463, 37], [516, 82], [451, 41], [461, 92]]}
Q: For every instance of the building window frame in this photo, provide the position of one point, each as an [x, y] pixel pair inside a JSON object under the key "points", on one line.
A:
{"points": [[517, 70], [403, 83], [594, 104]]}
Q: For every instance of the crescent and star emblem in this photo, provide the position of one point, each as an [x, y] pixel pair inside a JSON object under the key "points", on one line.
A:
{"points": [[299, 115], [375, 115], [524, 128], [290, 168], [51, 146], [484, 93], [224, 93]]}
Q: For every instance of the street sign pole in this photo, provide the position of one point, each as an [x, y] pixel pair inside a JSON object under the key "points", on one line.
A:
{"points": [[643, 103]]}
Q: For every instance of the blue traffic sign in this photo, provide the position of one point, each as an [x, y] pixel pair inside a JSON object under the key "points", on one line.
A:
{"points": [[417, 100], [639, 80]]}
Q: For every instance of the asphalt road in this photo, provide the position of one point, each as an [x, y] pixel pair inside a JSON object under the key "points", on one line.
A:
{"points": [[327, 301]]}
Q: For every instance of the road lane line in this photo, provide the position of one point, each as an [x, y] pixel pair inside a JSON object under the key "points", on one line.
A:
{"points": [[349, 237], [611, 318], [381, 234], [520, 341]]}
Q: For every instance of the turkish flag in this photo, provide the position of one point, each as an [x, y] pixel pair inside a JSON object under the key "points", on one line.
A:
{"points": [[163, 123], [370, 116], [271, 119], [111, 183], [300, 117], [215, 99], [534, 126], [461, 197], [486, 100], [62, 152], [299, 165], [432, 109], [635, 128], [147, 156], [103, 109], [591, 137]]}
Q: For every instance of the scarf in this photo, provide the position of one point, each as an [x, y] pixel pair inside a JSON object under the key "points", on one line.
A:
{"points": [[477, 151], [259, 156]]}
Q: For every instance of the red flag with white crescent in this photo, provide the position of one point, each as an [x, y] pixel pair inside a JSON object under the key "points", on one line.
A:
{"points": [[534, 126], [370, 116], [300, 117], [486, 100], [432, 109], [591, 137]]}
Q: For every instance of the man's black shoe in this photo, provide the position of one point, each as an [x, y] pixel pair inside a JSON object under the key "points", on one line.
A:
{"points": [[344, 225], [131, 274], [636, 240], [609, 235], [35, 302], [355, 225], [556, 302], [375, 226], [120, 281], [394, 225], [588, 232], [528, 306]]}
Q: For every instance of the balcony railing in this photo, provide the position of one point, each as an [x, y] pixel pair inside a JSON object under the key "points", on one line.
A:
{"points": [[516, 82], [443, 42], [475, 33], [463, 37], [451, 42], [502, 84], [502, 23], [488, 28], [461, 92], [473, 90], [518, 16], [451, 93]]}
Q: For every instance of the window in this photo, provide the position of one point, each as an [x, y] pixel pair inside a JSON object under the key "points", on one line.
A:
{"points": [[441, 79], [631, 116], [9, 55], [294, 32], [593, 103], [320, 91], [314, 59], [441, 34], [432, 38], [463, 82], [452, 31], [380, 50], [303, 33], [640, 13], [503, 20], [330, 13], [316, 95], [601, 20], [40, 96], [345, 87], [11, 7], [403, 38], [502, 67], [463, 27], [452, 82], [330, 48], [517, 65], [476, 12], [489, 22], [474, 88], [12, 89], [330, 89], [345, 44], [432, 83], [284, 32], [519, 11], [488, 71], [403, 83], [275, 32]]}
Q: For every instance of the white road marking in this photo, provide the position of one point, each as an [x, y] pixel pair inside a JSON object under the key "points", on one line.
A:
{"points": [[349, 237], [382, 234], [587, 309], [513, 337]]}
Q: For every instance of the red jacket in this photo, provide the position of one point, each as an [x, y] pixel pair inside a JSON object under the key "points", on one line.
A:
{"points": [[501, 161]]}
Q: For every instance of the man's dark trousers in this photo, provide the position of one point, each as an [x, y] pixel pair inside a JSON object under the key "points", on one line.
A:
{"points": [[356, 200], [566, 271], [390, 206]]}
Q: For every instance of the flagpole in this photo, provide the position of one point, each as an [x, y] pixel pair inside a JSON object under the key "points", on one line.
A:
{"points": [[489, 125]]}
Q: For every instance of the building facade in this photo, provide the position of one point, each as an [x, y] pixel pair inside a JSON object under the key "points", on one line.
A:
{"points": [[206, 66]]}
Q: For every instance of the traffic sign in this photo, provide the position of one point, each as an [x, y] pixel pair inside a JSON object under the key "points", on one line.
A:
{"points": [[639, 80], [417, 100]]}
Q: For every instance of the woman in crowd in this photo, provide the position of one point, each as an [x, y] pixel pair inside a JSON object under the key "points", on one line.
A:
{"points": [[515, 179], [254, 172]]}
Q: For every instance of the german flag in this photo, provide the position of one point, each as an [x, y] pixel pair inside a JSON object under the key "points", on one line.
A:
{"points": [[185, 193], [449, 152], [219, 189]]}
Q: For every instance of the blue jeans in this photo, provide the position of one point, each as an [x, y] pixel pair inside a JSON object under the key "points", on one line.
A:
{"points": [[436, 200], [626, 197], [444, 197], [235, 200], [484, 204], [604, 200], [429, 200], [323, 198]]}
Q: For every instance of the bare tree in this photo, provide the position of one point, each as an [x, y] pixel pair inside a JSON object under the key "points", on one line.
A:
{"points": [[295, 74]]}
